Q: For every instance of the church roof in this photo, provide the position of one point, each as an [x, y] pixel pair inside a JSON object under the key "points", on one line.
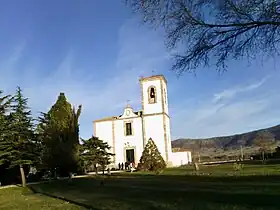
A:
{"points": [[106, 119], [113, 117]]}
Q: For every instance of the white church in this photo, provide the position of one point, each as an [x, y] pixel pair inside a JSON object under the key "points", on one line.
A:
{"points": [[128, 133]]}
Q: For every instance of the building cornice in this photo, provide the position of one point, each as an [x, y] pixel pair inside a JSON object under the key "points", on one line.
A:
{"points": [[152, 78], [110, 119], [155, 114], [105, 119]]}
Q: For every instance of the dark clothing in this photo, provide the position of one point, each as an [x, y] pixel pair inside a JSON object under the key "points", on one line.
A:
{"points": [[119, 166]]}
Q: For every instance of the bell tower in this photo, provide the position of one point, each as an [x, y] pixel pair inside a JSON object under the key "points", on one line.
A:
{"points": [[156, 122], [154, 95]]}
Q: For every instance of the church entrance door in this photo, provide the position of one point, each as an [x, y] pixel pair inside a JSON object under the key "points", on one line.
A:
{"points": [[130, 156]]}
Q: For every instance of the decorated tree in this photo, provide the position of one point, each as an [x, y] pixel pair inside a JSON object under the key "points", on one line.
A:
{"points": [[94, 152], [151, 159]]}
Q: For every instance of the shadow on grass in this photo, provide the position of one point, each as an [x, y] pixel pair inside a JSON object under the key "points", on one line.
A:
{"points": [[31, 190], [260, 162], [169, 192]]}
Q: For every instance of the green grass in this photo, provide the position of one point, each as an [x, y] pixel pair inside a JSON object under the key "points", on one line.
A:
{"points": [[22, 198], [215, 187]]}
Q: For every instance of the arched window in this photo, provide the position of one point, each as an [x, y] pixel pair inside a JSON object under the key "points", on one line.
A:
{"points": [[152, 93]]}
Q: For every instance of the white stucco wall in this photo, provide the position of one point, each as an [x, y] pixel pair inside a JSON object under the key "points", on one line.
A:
{"points": [[104, 131], [165, 97], [154, 129], [119, 141], [133, 141], [168, 135], [180, 158]]}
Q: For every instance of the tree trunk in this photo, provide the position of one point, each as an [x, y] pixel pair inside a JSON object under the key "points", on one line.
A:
{"points": [[242, 155], [263, 156], [23, 180]]}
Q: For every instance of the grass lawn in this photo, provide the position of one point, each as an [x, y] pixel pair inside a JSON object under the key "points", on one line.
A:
{"points": [[216, 187], [20, 198]]}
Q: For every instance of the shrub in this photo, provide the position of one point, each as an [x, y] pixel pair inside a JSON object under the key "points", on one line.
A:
{"points": [[151, 159]]}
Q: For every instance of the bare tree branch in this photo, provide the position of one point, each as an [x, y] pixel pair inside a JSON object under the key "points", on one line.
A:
{"points": [[213, 31]]}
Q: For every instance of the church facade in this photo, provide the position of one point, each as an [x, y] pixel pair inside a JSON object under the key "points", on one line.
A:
{"points": [[128, 133]]}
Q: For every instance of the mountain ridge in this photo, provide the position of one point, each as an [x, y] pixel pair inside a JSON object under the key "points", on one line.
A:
{"points": [[225, 142]]}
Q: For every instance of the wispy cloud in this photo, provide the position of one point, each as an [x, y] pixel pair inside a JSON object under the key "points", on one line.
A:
{"points": [[229, 93], [100, 97], [16, 55], [228, 113], [237, 108], [8, 64]]}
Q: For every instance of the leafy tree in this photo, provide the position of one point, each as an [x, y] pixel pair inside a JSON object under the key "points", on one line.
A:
{"points": [[17, 147], [95, 152], [265, 140], [59, 133], [151, 159], [213, 32]]}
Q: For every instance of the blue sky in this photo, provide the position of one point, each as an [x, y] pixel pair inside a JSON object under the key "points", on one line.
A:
{"points": [[95, 52]]}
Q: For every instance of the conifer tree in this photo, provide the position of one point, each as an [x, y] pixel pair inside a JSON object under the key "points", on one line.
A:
{"points": [[73, 138], [5, 105], [95, 152], [59, 133], [17, 147], [151, 159], [4, 132]]}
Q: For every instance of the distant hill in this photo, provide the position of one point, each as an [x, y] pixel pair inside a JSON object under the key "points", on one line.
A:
{"points": [[225, 142]]}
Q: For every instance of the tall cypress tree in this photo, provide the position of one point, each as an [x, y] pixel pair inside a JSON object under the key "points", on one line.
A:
{"points": [[59, 131], [74, 139], [17, 148]]}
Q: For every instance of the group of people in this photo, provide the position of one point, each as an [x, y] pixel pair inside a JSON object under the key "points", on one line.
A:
{"points": [[127, 166]]}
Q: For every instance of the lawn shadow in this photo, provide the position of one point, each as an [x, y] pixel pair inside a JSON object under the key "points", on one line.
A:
{"points": [[169, 192]]}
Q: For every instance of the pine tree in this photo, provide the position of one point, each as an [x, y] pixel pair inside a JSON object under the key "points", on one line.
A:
{"points": [[151, 159], [5, 105], [95, 152], [5, 102], [17, 148]]}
